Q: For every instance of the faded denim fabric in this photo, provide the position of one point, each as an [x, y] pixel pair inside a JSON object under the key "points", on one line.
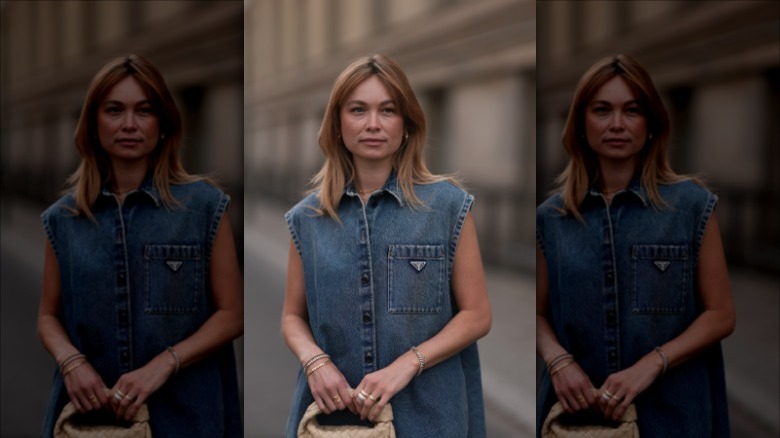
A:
{"points": [[379, 283], [624, 282], [136, 282]]}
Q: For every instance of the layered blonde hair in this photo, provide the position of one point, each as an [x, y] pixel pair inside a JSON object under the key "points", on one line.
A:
{"points": [[408, 162], [95, 169], [582, 169]]}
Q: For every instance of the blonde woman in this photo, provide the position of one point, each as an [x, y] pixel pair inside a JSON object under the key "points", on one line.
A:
{"points": [[631, 280], [385, 286], [142, 292]]}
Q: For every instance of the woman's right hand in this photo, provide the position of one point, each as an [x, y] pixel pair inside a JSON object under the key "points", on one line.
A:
{"points": [[329, 388], [574, 389], [86, 388]]}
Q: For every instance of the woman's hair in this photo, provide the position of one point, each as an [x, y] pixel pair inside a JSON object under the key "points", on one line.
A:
{"points": [[408, 161], [582, 169], [95, 168]]}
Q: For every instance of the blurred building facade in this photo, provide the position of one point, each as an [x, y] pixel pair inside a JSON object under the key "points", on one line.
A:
{"points": [[471, 64], [52, 49], [716, 65]]}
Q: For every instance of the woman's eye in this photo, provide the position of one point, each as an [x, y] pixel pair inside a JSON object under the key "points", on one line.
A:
{"points": [[357, 110], [600, 110], [145, 111], [388, 110], [112, 110], [634, 110]]}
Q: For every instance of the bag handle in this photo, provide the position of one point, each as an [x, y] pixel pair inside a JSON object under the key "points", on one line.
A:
{"points": [[385, 416]]}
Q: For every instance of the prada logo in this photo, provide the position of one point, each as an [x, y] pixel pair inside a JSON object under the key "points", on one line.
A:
{"points": [[418, 265], [174, 264], [662, 265]]}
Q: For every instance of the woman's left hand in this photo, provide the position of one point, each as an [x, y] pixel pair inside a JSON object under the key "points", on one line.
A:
{"points": [[133, 388], [380, 386], [621, 388]]}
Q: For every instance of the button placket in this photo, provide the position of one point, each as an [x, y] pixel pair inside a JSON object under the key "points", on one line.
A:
{"points": [[368, 341], [610, 295], [124, 332]]}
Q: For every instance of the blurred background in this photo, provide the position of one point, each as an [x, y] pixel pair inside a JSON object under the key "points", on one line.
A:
{"points": [[472, 66], [717, 66], [49, 52]]}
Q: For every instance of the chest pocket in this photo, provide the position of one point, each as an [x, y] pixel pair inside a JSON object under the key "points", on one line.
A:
{"points": [[172, 277], [660, 278], [416, 278]]}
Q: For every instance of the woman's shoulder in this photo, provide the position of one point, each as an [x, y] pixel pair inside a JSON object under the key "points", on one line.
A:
{"points": [[552, 205], [309, 205], [444, 189], [198, 191], [64, 206], [686, 192]]}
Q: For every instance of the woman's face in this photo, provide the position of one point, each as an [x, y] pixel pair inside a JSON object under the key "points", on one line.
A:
{"points": [[615, 125], [128, 127], [371, 126]]}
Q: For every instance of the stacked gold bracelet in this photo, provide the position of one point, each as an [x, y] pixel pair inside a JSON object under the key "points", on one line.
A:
{"points": [[319, 365], [71, 363], [311, 361], [560, 363]]}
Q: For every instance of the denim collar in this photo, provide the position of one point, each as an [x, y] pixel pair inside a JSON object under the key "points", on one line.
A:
{"points": [[147, 187], [391, 186], [634, 187]]}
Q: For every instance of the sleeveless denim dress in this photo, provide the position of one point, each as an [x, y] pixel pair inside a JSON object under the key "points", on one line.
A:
{"points": [[379, 283], [136, 282], [624, 282]]}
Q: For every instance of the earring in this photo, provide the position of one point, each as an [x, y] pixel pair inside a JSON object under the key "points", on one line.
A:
{"points": [[650, 137], [406, 136], [162, 136]]}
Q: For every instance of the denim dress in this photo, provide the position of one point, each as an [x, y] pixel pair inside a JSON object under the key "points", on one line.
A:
{"points": [[623, 282], [136, 281], [377, 284]]}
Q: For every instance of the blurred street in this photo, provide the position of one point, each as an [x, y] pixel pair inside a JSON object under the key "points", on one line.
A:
{"points": [[752, 352]]}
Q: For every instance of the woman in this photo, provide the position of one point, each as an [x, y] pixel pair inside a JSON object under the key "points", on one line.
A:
{"points": [[142, 293], [632, 284], [385, 287]]}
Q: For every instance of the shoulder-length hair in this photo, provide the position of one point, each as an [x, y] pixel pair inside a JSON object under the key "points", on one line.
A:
{"points": [[95, 168], [582, 169], [408, 162]]}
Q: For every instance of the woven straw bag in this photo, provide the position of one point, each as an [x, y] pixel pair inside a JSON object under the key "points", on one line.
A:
{"points": [[72, 424], [310, 428], [556, 426]]}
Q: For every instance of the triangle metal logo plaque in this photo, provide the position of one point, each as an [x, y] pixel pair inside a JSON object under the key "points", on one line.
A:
{"points": [[418, 265], [174, 264], [662, 265]]}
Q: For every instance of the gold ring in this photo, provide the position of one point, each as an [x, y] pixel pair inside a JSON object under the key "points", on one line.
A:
{"points": [[119, 395], [335, 397], [580, 398], [617, 398], [371, 397], [129, 398], [606, 395], [92, 397]]}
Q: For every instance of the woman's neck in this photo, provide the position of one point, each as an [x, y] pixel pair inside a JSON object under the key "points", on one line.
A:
{"points": [[370, 177], [616, 176], [127, 176]]}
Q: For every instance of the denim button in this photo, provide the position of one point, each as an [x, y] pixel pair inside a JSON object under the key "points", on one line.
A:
{"points": [[609, 277], [367, 317], [369, 357], [364, 279], [612, 356], [125, 355]]}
